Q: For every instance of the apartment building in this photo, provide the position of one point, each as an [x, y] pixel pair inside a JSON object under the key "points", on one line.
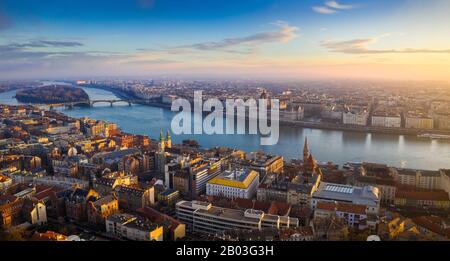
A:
{"points": [[203, 217]]}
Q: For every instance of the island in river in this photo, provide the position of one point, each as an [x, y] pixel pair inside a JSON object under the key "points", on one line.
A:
{"points": [[52, 94]]}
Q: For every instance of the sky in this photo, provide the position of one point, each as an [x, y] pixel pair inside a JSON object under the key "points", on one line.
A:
{"points": [[298, 39]]}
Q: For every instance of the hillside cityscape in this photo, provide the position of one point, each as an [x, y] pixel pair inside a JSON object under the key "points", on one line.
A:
{"points": [[65, 178], [239, 124]]}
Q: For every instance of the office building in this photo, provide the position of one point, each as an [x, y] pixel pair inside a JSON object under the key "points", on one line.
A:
{"points": [[234, 184], [203, 217], [329, 192]]}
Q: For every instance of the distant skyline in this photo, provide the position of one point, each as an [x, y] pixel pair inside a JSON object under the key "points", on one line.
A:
{"points": [[311, 39]]}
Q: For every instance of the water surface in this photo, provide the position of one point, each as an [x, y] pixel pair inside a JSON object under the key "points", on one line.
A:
{"points": [[326, 145]]}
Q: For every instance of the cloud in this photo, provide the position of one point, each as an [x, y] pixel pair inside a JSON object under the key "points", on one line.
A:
{"points": [[33, 49], [152, 61], [336, 5], [36, 62], [360, 46], [28, 55], [284, 34], [64, 57], [323, 10], [331, 7], [46, 43], [38, 44]]}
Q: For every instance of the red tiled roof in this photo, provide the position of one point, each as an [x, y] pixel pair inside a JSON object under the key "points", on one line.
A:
{"points": [[46, 193], [288, 232], [158, 217], [352, 208], [433, 224], [326, 206], [342, 207], [40, 188], [423, 195], [279, 208], [7, 198], [300, 212], [244, 203]]}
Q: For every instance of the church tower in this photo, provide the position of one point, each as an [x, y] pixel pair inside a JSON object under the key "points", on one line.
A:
{"points": [[160, 155], [162, 143], [168, 140], [305, 151]]}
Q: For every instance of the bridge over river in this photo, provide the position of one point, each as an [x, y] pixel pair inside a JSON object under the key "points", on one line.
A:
{"points": [[89, 103]]}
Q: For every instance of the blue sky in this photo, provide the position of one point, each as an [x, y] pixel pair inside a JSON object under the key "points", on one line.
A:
{"points": [[283, 38]]}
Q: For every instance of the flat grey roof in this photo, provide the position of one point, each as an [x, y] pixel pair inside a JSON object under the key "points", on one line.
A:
{"points": [[367, 195]]}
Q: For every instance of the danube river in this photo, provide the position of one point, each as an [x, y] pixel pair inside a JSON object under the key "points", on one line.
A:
{"points": [[326, 145]]}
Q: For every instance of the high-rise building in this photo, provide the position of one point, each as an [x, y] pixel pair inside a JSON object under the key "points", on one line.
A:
{"points": [[201, 173]]}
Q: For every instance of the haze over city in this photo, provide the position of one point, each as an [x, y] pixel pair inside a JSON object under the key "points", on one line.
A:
{"points": [[405, 39]]}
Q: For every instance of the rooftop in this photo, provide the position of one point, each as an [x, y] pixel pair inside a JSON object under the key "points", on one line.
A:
{"points": [[423, 195], [104, 200], [342, 207], [228, 213], [4, 178], [168, 192], [116, 154], [366, 195], [235, 178], [246, 215], [298, 231]]}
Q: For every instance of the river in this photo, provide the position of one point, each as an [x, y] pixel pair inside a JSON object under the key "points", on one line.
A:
{"points": [[326, 145]]}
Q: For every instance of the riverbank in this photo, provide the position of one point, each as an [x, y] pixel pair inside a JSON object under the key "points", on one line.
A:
{"points": [[299, 124], [326, 145], [364, 129]]}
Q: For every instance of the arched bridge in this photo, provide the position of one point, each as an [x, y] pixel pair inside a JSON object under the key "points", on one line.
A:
{"points": [[89, 103]]}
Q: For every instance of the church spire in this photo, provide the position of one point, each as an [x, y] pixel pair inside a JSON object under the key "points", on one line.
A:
{"points": [[305, 150], [161, 135], [162, 143], [168, 140]]}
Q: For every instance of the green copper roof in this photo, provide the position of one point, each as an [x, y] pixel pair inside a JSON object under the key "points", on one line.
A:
{"points": [[161, 136]]}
